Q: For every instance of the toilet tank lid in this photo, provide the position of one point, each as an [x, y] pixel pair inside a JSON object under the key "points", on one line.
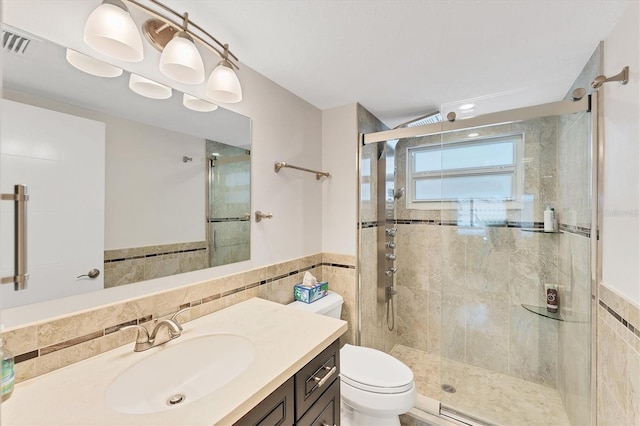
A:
{"points": [[330, 301]]}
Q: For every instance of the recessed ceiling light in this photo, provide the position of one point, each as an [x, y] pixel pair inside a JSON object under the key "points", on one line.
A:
{"points": [[466, 106], [473, 135]]}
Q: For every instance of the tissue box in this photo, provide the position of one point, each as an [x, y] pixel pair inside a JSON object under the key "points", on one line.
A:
{"points": [[310, 294]]}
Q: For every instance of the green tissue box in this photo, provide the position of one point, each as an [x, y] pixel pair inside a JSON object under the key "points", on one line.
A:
{"points": [[310, 294]]}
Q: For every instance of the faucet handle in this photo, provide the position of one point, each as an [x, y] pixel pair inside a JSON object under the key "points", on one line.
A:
{"points": [[174, 317], [143, 333]]}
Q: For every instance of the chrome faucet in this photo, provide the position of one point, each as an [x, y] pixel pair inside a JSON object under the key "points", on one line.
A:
{"points": [[164, 330]]}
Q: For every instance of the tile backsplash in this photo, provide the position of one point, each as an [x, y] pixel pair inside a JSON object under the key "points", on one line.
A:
{"points": [[126, 266], [48, 345]]}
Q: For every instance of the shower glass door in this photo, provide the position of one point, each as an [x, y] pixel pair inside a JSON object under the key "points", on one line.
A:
{"points": [[510, 354], [454, 269]]}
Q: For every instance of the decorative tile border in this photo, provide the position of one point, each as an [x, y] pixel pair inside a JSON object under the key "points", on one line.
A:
{"points": [[229, 219], [311, 262], [121, 255], [578, 230], [626, 323]]}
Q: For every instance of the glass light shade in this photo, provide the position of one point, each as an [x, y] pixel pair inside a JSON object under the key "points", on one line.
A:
{"points": [[223, 84], [181, 61], [91, 65], [111, 31], [197, 104], [149, 88]]}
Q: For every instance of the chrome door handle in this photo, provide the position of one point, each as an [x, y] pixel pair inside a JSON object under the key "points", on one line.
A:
{"points": [[94, 273], [322, 381]]}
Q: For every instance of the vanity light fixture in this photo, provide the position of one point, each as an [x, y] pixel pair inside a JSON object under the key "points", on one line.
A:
{"points": [[149, 88], [223, 82], [91, 65], [197, 104], [111, 31], [180, 59]]}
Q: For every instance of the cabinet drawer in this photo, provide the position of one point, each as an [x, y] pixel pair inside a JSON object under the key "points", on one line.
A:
{"points": [[315, 377], [326, 410], [274, 410]]}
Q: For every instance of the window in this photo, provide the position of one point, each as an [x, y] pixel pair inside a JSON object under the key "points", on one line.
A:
{"points": [[488, 169]]}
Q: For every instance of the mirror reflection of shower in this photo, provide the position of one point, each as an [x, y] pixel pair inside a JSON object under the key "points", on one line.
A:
{"points": [[228, 204]]}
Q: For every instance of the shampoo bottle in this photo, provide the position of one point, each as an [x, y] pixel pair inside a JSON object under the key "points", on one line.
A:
{"points": [[549, 219], [8, 373]]}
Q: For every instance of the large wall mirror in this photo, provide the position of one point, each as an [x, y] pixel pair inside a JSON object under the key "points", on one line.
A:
{"points": [[136, 188]]}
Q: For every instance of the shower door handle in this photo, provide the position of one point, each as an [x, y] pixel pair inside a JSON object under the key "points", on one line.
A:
{"points": [[20, 197]]}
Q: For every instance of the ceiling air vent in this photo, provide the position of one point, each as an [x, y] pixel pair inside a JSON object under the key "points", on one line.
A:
{"points": [[14, 43]]}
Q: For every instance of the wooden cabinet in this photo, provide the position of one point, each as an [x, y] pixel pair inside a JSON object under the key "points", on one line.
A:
{"points": [[310, 397]]}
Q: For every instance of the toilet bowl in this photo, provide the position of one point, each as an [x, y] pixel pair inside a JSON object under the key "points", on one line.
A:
{"points": [[375, 387]]}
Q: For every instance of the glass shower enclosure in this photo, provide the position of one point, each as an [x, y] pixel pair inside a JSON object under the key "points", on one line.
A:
{"points": [[459, 276]]}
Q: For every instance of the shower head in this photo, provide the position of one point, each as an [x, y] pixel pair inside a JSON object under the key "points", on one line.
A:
{"points": [[430, 118], [399, 193]]}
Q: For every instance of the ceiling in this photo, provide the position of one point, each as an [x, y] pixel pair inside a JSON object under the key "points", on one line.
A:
{"points": [[404, 58], [400, 59]]}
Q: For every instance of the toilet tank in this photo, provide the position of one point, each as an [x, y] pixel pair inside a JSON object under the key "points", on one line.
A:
{"points": [[330, 305]]}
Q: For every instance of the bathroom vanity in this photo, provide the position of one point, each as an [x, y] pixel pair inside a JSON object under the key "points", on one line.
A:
{"points": [[292, 350]]}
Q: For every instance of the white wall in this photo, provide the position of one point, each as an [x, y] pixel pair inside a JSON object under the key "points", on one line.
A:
{"points": [[621, 221], [340, 158], [152, 197]]}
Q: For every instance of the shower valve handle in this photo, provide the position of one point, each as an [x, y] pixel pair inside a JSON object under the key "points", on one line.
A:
{"points": [[389, 272], [390, 244], [391, 231], [390, 256]]}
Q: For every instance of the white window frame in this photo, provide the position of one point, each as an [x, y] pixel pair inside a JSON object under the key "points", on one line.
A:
{"points": [[516, 170]]}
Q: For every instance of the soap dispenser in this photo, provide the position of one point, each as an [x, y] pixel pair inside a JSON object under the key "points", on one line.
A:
{"points": [[8, 372]]}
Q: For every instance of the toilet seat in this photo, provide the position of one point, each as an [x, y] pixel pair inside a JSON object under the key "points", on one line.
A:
{"points": [[374, 371]]}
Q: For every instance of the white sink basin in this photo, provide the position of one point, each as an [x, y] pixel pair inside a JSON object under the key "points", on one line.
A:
{"points": [[180, 373]]}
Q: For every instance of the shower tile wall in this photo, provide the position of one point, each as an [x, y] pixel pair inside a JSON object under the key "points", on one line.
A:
{"points": [[374, 331], [460, 287]]}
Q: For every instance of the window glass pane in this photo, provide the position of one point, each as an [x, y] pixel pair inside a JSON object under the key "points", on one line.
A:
{"points": [[464, 187], [427, 160], [484, 155], [365, 192], [366, 166]]}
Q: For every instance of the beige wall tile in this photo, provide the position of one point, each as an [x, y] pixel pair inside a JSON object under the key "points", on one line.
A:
{"points": [[612, 363], [25, 370], [20, 340]]}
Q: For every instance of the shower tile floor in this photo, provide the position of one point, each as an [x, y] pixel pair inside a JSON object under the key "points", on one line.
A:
{"points": [[484, 395]]}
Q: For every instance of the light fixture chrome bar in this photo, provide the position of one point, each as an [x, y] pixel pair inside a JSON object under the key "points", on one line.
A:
{"points": [[280, 165], [20, 197], [509, 116], [181, 25]]}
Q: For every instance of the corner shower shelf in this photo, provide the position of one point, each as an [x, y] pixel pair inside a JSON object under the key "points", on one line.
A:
{"points": [[542, 311], [540, 230]]}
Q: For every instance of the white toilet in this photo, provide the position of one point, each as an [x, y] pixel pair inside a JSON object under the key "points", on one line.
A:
{"points": [[375, 387]]}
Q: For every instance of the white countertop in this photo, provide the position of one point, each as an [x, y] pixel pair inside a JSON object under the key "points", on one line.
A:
{"points": [[285, 340]]}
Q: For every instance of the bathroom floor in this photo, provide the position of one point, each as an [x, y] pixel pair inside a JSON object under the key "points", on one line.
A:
{"points": [[487, 396]]}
